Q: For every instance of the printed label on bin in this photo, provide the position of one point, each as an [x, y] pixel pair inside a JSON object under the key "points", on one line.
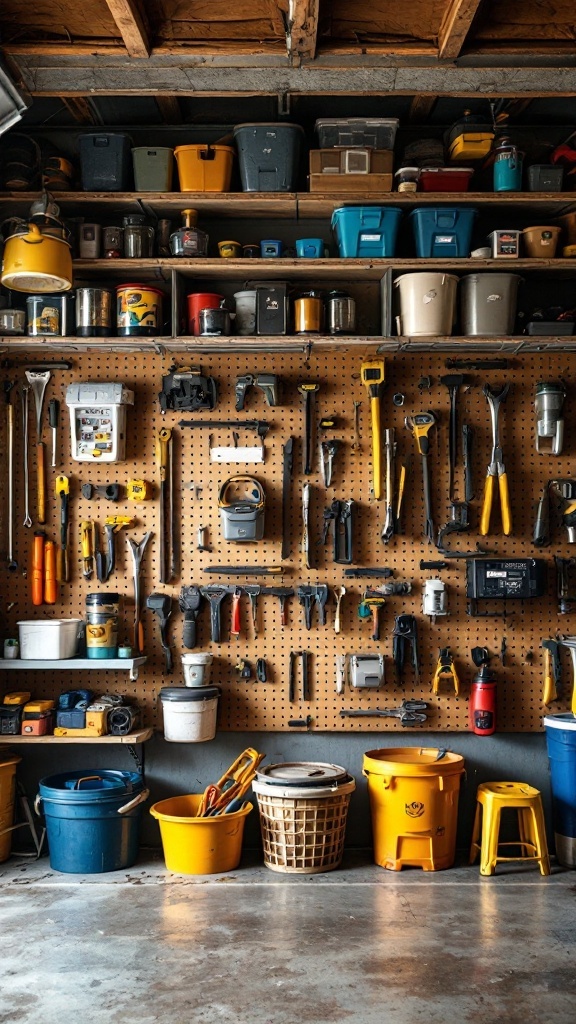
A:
{"points": [[445, 239], [370, 238], [104, 634], [429, 296], [493, 298]]}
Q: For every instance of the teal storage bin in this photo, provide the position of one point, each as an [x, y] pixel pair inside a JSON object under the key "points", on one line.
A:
{"points": [[368, 231], [153, 168], [443, 231]]}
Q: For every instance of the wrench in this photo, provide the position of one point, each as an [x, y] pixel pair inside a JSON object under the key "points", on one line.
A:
{"points": [[410, 712], [25, 396]]}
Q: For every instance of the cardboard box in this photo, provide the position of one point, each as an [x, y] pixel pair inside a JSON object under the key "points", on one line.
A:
{"points": [[350, 183], [351, 161]]}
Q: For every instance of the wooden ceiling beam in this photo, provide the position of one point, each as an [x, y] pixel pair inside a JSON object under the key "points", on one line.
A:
{"points": [[421, 108], [81, 109], [130, 23], [455, 27], [170, 109], [302, 30]]}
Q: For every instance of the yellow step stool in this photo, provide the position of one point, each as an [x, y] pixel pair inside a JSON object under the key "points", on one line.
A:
{"points": [[492, 798]]}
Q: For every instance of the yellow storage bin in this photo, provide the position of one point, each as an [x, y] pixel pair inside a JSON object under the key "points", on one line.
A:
{"points": [[204, 168], [199, 846], [413, 795], [471, 146], [7, 795]]}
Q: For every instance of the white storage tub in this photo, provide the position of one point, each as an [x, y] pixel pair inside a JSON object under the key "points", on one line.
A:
{"points": [[189, 713], [49, 639]]}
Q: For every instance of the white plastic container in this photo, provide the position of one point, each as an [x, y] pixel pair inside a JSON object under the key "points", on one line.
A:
{"points": [[189, 713], [196, 668], [245, 312], [427, 304], [49, 639]]}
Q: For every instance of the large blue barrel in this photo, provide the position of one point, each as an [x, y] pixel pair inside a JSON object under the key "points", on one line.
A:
{"points": [[561, 742], [92, 819]]}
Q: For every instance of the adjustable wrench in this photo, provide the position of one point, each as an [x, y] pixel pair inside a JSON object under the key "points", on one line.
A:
{"points": [[410, 712], [420, 426]]}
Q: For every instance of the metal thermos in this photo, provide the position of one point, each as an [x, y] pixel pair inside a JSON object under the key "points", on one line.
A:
{"points": [[138, 237], [483, 702], [548, 402], [340, 313], [309, 313], [93, 312]]}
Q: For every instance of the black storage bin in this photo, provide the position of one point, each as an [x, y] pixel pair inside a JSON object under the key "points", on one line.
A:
{"points": [[549, 328], [105, 162], [545, 178], [269, 156]]}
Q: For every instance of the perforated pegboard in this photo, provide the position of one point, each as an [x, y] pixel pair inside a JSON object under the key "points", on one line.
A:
{"points": [[265, 706]]}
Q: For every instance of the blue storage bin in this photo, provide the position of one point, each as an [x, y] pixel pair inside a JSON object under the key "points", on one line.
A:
{"points": [[443, 231], [369, 231], [269, 156]]}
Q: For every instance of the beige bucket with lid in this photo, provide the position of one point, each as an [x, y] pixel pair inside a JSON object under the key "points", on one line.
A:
{"points": [[427, 304], [541, 241]]}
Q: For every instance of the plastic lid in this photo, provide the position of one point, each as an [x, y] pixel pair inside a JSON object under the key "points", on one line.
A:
{"points": [[565, 720], [447, 170], [140, 286], [302, 774], [268, 124], [102, 598], [187, 693]]}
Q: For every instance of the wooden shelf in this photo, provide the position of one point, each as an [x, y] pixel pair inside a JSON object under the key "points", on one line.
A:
{"points": [[130, 665], [284, 205], [141, 736]]}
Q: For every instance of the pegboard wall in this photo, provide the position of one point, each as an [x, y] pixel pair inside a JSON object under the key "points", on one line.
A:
{"points": [[251, 705]]}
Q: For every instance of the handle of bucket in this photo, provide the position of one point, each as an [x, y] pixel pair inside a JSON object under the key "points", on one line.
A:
{"points": [[385, 779], [134, 803], [207, 154], [86, 778], [37, 802]]}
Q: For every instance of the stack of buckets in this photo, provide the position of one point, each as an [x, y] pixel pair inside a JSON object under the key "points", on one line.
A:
{"points": [[561, 743]]}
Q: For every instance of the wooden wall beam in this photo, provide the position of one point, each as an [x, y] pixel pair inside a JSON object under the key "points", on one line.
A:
{"points": [[455, 27], [81, 109], [302, 29], [421, 108], [130, 23], [169, 107]]}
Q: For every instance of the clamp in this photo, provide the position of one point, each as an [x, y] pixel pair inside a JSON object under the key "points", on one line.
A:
{"points": [[445, 667]]}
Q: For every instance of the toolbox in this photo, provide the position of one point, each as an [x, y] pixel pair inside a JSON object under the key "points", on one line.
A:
{"points": [[368, 231], [443, 231], [357, 132], [545, 178]]}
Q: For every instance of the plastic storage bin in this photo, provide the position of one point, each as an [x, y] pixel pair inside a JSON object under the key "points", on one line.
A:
{"points": [[204, 168], [541, 241], [413, 795], [189, 713], [153, 169], [49, 639], [489, 304], [443, 231], [269, 156], [445, 179], [92, 819], [545, 178], [199, 846], [427, 304], [369, 231], [357, 132], [105, 162]]}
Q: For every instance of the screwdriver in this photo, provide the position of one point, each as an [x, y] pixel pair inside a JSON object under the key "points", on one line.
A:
{"points": [[53, 419]]}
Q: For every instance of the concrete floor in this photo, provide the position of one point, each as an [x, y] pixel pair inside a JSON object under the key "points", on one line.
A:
{"points": [[359, 945]]}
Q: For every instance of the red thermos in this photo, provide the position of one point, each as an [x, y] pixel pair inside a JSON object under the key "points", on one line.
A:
{"points": [[483, 702]]}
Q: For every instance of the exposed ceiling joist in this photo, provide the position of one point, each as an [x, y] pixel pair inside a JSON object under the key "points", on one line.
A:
{"points": [[302, 29], [455, 27], [81, 109], [169, 107], [421, 108], [130, 23]]}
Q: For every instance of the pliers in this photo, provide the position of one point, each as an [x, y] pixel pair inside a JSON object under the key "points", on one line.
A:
{"points": [[445, 667], [496, 468]]}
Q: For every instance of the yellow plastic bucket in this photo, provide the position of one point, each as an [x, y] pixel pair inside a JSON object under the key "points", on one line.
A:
{"points": [[7, 795], [204, 168], [199, 846], [413, 795]]}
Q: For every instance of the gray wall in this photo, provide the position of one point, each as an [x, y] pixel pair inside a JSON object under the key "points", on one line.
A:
{"points": [[174, 768]]}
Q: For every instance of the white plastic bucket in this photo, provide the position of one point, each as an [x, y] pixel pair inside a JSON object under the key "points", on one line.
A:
{"points": [[196, 668], [245, 312], [190, 717], [49, 639], [427, 304]]}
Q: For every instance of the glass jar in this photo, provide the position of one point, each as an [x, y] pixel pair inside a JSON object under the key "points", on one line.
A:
{"points": [[138, 237]]}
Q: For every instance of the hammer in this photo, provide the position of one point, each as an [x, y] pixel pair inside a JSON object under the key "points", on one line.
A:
{"points": [[282, 593]]}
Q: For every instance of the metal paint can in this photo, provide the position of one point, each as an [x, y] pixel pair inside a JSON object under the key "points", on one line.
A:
{"points": [[309, 313], [138, 310], [93, 312]]}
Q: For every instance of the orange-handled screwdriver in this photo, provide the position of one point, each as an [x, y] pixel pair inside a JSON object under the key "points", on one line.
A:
{"points": [[38, 568], [50, 579]]}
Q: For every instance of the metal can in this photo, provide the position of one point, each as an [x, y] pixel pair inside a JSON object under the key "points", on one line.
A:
{"points": [[102, 625], [48, 315], [309, 313], [138, 310], [93, 312]]}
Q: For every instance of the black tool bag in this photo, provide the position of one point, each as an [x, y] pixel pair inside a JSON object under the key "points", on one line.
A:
{"points": [[185, 389]]}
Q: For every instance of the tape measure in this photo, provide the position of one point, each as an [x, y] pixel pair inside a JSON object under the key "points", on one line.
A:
{"points": [[138, 490]]}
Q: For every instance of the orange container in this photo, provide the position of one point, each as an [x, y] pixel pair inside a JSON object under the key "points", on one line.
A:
{"points": [[541, 241], [204, 168]]}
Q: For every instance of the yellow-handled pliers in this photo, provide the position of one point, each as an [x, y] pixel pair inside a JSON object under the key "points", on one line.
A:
{"points": [[496, 469], [445, 667]]}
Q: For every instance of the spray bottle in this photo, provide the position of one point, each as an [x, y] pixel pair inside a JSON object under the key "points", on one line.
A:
{"points": [[483, 695]]}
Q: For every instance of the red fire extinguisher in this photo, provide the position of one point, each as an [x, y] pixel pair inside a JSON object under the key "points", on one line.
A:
{"points": [[483, 701]]}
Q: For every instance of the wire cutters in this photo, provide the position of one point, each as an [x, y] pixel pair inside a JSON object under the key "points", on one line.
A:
{"points": [[445, 667], [496, 469]]}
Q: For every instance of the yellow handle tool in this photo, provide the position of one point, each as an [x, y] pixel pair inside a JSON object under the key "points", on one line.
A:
{"points": [[87, 542], [551, 671], [487, 500], [505, 504], [372, 375]]}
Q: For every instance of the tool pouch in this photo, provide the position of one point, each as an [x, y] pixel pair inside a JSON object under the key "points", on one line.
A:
{"points": [[186, 390], [242, 505]]}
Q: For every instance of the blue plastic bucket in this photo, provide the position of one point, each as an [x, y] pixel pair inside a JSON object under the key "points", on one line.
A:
{"points": [[368, 231], [561, 743], [92, 819], [443, 231]]}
